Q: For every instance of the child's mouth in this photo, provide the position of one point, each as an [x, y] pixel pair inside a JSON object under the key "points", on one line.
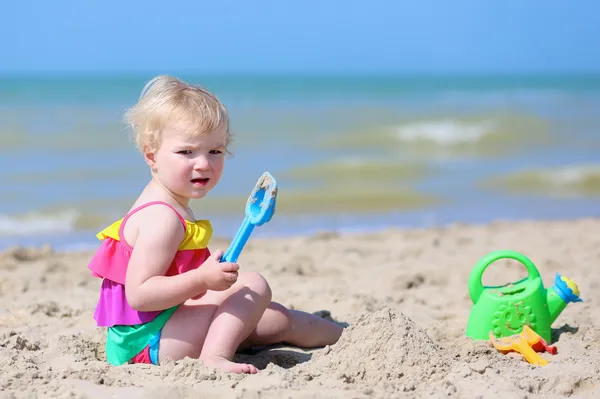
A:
{"points": [[200, 182]]}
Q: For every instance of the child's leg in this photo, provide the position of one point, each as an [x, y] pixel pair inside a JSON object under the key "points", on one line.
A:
{"points": [[234, 320], [281, 325], [212, 327]]}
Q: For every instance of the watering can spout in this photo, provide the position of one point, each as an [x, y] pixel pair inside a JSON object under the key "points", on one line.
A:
{"points": [[563, 292]]}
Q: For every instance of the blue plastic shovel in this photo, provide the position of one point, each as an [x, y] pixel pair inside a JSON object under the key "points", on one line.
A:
{"points": [[260, 207]]}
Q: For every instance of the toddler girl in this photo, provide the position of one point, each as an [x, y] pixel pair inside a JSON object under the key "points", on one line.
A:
{"points": [[164, 294]]}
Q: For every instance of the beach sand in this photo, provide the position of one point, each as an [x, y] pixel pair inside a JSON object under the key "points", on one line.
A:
{"points": [[403, 294]]}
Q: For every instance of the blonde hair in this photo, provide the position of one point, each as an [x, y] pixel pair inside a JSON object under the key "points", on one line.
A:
{"points": [[166, 100]]}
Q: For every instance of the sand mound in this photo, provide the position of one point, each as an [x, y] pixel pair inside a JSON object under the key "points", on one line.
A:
{"points": [[385, 348]]}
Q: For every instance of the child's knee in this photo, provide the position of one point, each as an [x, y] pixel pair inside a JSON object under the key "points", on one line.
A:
{"points": [[257, 283], [280, 319], [281, 313]]}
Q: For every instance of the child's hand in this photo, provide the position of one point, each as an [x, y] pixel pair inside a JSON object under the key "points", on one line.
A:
{"points": [[217, 275]]}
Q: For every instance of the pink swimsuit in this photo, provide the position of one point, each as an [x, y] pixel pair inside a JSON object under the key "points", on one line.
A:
{"points": [[133, 336]]}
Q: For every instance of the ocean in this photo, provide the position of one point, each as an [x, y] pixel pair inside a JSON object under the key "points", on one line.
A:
{"points": [[349, 152]]}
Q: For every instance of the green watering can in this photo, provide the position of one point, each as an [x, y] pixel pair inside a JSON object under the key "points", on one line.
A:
{"points": [[504, 310]]}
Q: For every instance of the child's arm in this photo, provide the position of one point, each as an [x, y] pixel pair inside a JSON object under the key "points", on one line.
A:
{"points": [[147, 288]]}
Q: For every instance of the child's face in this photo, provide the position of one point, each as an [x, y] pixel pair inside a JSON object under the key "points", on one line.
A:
{"points": [[189, 167]]}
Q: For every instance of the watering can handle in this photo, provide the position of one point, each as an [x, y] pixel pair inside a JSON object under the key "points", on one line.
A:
{"points": [[475, 284]]}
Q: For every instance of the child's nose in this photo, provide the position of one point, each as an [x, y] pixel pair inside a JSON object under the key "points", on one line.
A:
{"points": [[202, 163]]}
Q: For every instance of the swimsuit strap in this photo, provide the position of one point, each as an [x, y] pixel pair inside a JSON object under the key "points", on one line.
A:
{"points": [[144, 206]]}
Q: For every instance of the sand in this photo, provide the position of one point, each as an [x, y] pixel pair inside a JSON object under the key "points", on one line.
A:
{"points": [[402, 293]]}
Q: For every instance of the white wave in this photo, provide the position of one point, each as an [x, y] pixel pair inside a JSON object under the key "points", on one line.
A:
{"points": [[445, 132], [37, 223], [569, 175]]}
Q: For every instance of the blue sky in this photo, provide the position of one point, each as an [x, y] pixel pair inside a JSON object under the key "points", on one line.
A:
{"points": [[311, 35]]}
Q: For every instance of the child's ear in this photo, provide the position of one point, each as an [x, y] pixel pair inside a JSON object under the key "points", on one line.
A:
{"points": [[149, 157]]}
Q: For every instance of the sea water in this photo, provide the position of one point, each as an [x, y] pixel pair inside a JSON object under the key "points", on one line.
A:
{"points": [[350, 152]]}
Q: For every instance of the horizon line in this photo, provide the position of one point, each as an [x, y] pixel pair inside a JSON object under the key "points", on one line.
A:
{"points": [[297, 73]]}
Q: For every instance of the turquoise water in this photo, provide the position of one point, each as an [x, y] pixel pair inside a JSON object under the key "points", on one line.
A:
{"points": [[349, 152]]}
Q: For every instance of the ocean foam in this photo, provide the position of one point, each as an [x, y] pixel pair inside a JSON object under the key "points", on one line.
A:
{"points": [[38, 223], [570, 174], [570, 180], [445, 132]]}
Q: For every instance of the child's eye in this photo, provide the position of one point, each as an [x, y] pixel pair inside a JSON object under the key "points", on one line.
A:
{"points": [[216, 152], [184, 152]]}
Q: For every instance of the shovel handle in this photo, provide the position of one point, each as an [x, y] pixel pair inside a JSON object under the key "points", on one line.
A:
{"points": [[529, 353], [238, 242], [475, 283]]}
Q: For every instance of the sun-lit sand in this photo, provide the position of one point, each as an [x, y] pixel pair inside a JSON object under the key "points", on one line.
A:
{"points": [[403, 294]]}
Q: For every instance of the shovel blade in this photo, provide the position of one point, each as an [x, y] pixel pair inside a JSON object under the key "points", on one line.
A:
{"points": [[260, 206], [504, 344]]}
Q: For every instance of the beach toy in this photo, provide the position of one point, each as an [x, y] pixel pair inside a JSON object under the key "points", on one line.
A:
{"points": [[527, 343], [505, 310], [260, 208]]}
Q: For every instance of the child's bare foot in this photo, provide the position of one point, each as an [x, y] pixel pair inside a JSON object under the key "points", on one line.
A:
{"points": [[226, 365]]}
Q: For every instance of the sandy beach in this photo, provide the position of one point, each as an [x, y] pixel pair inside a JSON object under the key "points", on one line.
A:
{"points": [[403, 294]]}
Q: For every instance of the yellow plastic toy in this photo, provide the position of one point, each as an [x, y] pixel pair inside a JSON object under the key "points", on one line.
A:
{"points": [[527, 343]]}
